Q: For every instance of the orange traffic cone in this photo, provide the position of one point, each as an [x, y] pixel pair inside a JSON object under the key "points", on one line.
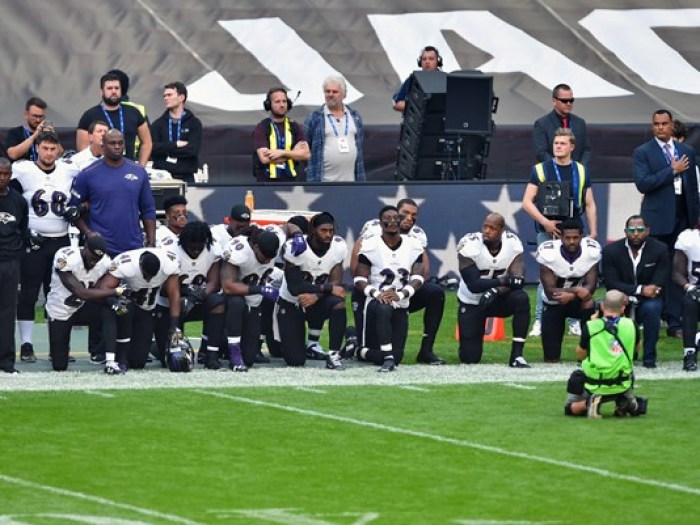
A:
{"points": [[494, 329]]}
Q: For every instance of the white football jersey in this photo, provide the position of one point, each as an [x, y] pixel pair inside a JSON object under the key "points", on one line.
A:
{"points": [[221, 235], [47, 195], [166, 238], [61, 304], [490, 266], [193, 271], [689, 243], [373, 228], [240, 253], [391, 269], [314, 268], [569, 274], [79, 161], [125, 267]]}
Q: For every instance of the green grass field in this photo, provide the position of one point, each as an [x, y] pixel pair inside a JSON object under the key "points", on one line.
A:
{"points": [[479, 445]]}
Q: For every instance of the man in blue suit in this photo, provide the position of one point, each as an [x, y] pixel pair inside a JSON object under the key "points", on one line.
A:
{"points": [[561, 117], [664, 171]]}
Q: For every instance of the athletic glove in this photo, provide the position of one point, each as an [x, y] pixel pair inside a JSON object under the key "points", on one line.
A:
{"points": [[487, 298], [36, 240], [71, 213], [119, 305], [122, 290], [514, 282], [298, 244], [197, 293], [693, 294], [174, 333], [187, 304], [269, 292]]}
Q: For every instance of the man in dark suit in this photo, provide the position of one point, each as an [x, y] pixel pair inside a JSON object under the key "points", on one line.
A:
{"points": [[664, 171], [638, 265], [561, 117]]}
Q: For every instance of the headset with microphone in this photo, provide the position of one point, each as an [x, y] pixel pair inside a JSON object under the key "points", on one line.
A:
{"points": [[267, 103], [426, 49]]}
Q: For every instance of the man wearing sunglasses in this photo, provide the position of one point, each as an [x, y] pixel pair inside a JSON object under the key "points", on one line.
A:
{"points": [[561, 117], [638, 265]]}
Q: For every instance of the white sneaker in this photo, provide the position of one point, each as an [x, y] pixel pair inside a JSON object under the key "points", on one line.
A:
{"points": [[536, 329], [575, 328]]}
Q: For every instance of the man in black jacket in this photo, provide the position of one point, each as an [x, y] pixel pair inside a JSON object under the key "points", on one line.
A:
{"points": [[561, 117], [638, 265], [177, 135]]}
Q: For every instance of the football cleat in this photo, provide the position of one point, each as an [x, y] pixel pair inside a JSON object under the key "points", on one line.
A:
{"points": [[26, 353], [211, 360], [260, 358], [333, 362], [351, 344], [314, 351], [112, 368], [235, 358], [689, 362], [98, 359], [430, 359], [575, 328], [519, 362], [388, 365]]}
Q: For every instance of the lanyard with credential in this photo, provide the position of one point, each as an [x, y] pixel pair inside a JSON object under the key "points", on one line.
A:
{"points": [[335, 130], [574, 177], [109, 119], [281, 139], [179, 127], [32, 155]]}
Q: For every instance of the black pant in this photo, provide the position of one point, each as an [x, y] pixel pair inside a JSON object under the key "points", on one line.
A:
{"points": [[90, 314], [385, 325], [9, 281], [37, 266], [129, 336], [471, 320], [292, 321], [243, 321], [672, 293], [553, 317]]}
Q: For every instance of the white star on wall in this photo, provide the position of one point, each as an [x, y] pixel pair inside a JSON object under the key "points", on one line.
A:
{"points": [[195, 197], [298, 198], [506, 207], [447, 258], [401, 193]]}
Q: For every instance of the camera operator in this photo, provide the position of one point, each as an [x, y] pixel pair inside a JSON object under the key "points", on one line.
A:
{"points": [[563, 189], [605, 349]]}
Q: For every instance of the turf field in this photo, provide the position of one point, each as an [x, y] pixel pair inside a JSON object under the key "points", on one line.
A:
{"points": [[482, 445]]}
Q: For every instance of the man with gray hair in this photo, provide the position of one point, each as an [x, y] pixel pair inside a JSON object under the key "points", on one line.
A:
{"points": [[335, 133]]}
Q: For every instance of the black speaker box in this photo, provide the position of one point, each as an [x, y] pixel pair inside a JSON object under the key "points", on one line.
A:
{"points": [[468, 103], [427, 91]]}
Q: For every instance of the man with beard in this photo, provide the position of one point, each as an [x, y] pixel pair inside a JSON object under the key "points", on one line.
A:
{"points": [[312, 291], [429, 296], [569, 276], [123, 117], [248, 261], [14, 217], [200, 264], [492, 269], [177, 135], [46, 186], [280, 143], [389, 272], [118, 195], [429, 60], [74, 299], [638, 265], [175, 220], [20, 141], [335, 133]]}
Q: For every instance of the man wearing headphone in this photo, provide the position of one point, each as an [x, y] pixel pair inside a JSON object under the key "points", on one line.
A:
{"points": [[429, 60], [279, 142]]}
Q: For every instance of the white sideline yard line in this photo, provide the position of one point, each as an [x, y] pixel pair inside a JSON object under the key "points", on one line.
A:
{"points": [[98, 394], [95, 499], [460, 443], [507, 522], [519, 386], [310, 389], [414, 388]]}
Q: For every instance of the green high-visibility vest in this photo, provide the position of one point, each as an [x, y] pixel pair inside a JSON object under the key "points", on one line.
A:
{"points": [[608, 367]]}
